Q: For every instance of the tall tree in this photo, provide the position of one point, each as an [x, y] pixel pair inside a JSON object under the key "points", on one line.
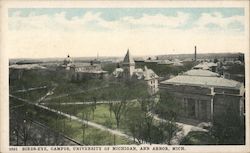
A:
{"points": [[168, 110]]}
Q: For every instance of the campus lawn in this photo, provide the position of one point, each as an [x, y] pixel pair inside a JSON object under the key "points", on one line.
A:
{"points": [[102, 114], [71, 128]]}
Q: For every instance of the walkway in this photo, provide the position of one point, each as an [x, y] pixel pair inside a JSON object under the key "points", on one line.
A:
{"points": [[74, 93], [29, 89]]}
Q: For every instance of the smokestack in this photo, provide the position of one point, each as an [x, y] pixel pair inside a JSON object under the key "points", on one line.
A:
{"points": [[194, 53]]}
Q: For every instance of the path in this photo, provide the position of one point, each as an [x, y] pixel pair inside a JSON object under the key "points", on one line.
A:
{"points": [[74, 93], [51, 92], [29, 89], [84, 103], [95, 125], [80, 103]]}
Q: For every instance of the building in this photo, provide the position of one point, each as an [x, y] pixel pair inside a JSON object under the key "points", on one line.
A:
{"points": [[81, 71], [202, 95], [207, 66], [67, 63], [128, 71]]}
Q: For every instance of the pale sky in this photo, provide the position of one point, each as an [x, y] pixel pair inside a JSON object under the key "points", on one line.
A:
{"points": [[80, 32]]}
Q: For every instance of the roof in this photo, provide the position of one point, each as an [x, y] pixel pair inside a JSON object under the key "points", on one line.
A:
{"points": [[139, 59], [151, 61], [117, 72], [201, 66], [128, 58], [200, 72], [205, 65], [165, 62], [139, 73], [149, 74], [178, 64], [27, 66], [203, 81]]}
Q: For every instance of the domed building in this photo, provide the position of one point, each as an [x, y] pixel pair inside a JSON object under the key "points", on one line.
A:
{"points": [[67, 63], [78, 71]]}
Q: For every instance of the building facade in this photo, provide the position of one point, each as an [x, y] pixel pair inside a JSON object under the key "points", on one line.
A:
{"points": [[202, 95], [128, 71], [82, 71]]}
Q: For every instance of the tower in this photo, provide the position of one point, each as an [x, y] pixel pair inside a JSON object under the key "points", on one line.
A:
{"points": [[195, 53], [128, 65]]}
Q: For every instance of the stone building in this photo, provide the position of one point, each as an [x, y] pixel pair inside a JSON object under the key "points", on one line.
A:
{"points": [[203, 95], [128, 71], [81, 71]]}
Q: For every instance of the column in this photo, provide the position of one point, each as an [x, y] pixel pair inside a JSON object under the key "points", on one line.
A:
{"points": [[196, 109]]}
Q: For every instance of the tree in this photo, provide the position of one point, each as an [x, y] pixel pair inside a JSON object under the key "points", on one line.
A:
{"points": [[228, 127], [118, 109], [84, 126], [121, 93], [93, 106], [135, 123], [168, 110]]}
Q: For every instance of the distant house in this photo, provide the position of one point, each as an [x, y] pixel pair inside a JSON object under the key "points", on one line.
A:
{"points": [[128, 71], [203, 95], [207, 66], [16, 71]]}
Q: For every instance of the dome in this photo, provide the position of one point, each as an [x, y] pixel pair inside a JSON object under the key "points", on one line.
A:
{"points": [[67, 60]]}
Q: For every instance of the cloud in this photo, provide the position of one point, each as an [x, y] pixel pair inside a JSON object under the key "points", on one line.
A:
{"points": [[94, 19], [55, 35], [158, 20], [216, 21]]}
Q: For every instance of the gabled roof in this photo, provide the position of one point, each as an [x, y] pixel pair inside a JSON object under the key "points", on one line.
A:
{"points": [[205, 65], [128, 59], [149, 74]]}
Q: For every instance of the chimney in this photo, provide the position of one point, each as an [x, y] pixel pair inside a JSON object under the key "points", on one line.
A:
{"points": [[194, 53]]}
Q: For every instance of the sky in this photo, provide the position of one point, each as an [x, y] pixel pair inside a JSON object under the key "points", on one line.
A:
{"points": [[84, 32]]}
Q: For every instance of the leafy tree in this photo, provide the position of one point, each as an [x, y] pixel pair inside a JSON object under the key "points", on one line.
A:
{"points": [[229, 127], [168, 110], [139, 124]]}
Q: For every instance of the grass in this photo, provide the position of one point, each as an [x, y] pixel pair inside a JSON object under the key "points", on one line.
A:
{"points": [[102, 114], [72, 128]]}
